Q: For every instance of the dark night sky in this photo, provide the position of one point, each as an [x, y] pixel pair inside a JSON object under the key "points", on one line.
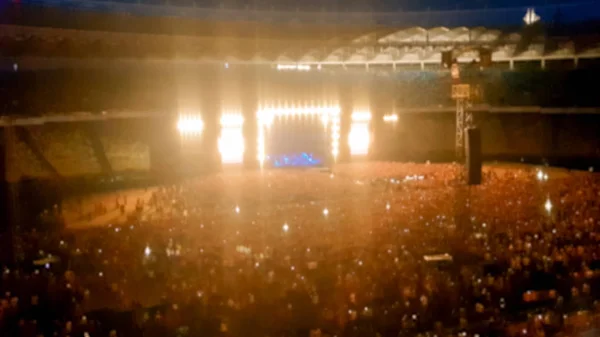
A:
{"points": [[462, 4], [490, 13]]}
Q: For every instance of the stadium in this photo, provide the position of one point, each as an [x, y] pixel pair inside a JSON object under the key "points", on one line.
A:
{"points": [[177, 168]]}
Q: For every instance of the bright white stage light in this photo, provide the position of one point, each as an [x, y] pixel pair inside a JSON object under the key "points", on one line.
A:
{"points": [[531, 17], [361, 116], [269, 112], [548, 205], [231, 142], [232, 120], [190, 125], [335, 137], [359, 137], [231, 146], [299, 67], [390, 118]]}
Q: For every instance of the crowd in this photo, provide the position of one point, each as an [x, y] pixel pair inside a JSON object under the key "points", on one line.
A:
{"points": [[371, 249]]}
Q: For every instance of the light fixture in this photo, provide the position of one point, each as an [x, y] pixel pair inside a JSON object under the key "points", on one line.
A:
{"points": [[393, 118], [359, 137], [231, 141], [548, 205], [531, 17], [299, 67], [190, 125]]}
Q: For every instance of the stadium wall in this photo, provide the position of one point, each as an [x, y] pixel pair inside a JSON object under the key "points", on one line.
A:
{"points": [[144, 147], [559, 138]]}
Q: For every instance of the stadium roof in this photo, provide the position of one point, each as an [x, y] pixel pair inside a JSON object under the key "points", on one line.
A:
{"points": [[415, 45], [93, 30]]}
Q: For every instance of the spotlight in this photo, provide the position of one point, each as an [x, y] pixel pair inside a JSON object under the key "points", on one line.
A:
{"points": [[190, 125], [390, 118], [231, 142], [548, 205], [359, 137]]}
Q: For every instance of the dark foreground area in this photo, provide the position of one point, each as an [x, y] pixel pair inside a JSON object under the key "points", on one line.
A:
{"points": [[372, 249]]}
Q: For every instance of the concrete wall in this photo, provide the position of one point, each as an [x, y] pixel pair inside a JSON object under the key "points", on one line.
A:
{"points": [[513, 135]]}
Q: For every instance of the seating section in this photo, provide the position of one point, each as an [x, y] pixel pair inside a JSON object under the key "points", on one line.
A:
{"points": [[23, 164], [126, 153], [67, 148]]}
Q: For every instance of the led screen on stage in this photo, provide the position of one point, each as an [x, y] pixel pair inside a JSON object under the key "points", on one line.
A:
{"points": [[297, 141]]}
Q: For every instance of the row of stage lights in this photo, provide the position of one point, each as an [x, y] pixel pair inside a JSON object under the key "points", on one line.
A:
{"points": [[191, 124], [231, 142]]}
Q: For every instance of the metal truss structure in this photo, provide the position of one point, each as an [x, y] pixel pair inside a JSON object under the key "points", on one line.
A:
{"points": [[464, 117]]}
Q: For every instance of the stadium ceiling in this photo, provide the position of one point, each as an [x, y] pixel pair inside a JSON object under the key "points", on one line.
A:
{"points": [[409, 46]]}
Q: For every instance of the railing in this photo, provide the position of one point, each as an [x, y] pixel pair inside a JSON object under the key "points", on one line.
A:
{"points": [[494, 17]]}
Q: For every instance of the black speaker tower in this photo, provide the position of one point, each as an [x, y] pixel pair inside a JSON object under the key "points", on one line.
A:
{"points": [[473, 155]]}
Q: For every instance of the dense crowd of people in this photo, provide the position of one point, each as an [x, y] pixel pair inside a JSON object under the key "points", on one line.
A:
{"points": [[372, 249]]}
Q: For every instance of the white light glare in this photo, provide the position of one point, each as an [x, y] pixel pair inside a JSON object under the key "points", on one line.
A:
{"points": [[359, 139], [266, 113], [189, 125], [548, 205], [361, 116], [232, 120], [300, 67], [531, 17], [325, 212], [390, 118], [359, 136], [231, 142], [285, 227], [147, 251]]}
